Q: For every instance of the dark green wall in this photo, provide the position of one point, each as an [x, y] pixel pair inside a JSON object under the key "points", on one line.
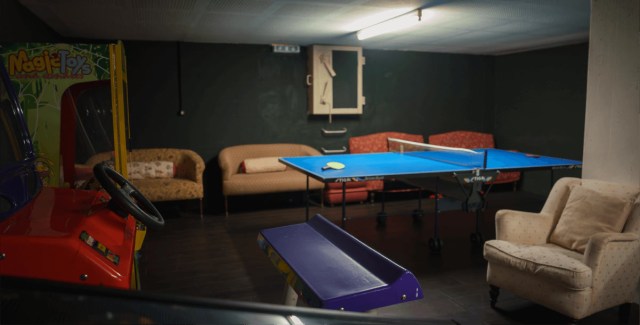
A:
{"points": [[236, 94], [239, 94], [540, 100]]}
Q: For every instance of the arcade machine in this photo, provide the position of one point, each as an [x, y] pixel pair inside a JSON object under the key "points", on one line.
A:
{"points": [[62, 234]]}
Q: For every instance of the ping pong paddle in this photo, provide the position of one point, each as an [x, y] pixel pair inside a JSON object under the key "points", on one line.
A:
{"points": [[333, 165]]}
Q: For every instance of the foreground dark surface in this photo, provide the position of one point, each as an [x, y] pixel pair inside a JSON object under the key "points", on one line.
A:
{"points": [[218, 257]]}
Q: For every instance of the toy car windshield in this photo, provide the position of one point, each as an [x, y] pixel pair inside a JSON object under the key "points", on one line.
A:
{"points": [[19, 182]]}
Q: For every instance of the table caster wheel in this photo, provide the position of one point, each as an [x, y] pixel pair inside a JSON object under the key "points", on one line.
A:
{"points": [[435, 244], [417, 217], [382, 219]]}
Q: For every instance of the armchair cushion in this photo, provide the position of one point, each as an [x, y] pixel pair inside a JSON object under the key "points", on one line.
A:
{"points": [[555, 265], [378, 142], [587, 213], [473, 140], [463, 139], [375, 142]]}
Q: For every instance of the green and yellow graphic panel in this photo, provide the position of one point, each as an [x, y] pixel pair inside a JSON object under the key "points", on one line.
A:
{"points": [[41, 73]]}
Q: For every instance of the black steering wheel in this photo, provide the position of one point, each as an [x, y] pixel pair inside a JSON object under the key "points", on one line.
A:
{"points": [[127, 197]]}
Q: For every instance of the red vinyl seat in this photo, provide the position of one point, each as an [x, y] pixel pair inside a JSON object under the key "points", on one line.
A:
{"points": [[361, 191], [473, 140]]}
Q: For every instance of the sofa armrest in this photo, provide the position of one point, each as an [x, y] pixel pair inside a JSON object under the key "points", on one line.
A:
{"points": [[309, 151], [227, 162], [523, 227], [191, 166]]}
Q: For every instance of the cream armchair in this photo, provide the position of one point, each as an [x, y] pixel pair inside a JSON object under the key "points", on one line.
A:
{"points": [[578, 256]]}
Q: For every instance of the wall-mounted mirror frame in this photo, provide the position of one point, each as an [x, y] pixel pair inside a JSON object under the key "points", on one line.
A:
{"points": [[335, 80]]}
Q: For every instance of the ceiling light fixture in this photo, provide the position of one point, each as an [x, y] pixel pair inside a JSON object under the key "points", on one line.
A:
{"points": [[391, 25]]}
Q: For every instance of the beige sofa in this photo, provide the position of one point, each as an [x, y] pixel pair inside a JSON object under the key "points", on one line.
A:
{"points": [[186, 183], [237, 182]]}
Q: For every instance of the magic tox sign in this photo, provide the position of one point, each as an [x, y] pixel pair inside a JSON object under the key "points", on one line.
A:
{"points": [[49, 64]]}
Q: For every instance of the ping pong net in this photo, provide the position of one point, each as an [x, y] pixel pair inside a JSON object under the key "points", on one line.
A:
{"points": [[456, 156]]}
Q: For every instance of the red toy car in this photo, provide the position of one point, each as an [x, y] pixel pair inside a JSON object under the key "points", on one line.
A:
{"points": [[60, 234]]}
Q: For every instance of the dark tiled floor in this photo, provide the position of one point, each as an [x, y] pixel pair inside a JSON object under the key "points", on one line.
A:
{"points": [[218, 258]]}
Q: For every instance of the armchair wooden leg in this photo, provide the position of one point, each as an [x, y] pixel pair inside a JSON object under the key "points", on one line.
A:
{"points": [[201, 218], [494, 292], [624, 311], [226, 206]]}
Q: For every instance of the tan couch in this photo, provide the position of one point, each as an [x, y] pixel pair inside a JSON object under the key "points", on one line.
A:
{"points": [[186, 184], [236, 182]]}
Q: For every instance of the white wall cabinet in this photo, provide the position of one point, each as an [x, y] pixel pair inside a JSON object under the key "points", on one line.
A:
{"points": [[335, 80]]}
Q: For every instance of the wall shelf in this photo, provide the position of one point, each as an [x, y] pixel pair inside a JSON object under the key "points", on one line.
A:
{"points": [[334, 132], [334, 151]]}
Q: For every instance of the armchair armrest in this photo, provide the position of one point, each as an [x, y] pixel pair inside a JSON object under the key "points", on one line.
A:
{"points": [[523, 227], [192, 166], [614, 259], [603, 243]]}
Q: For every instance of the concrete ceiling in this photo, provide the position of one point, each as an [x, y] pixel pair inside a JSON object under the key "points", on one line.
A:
{"points": [[487, 27]]}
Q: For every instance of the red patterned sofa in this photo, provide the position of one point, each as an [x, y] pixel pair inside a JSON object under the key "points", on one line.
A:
{"points": [[472, 140], [361, 191]]}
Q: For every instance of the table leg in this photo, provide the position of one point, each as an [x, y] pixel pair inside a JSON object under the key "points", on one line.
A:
{"points": [[382, 215], [344, 204], [436, 212], [306, 200], [435, 243]]}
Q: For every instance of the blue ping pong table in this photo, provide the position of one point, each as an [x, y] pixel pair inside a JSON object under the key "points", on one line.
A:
{"points": [[470, 170]]}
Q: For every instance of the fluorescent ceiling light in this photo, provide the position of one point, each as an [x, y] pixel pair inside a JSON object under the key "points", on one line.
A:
{"points": [[375, 19], [391, 25]]}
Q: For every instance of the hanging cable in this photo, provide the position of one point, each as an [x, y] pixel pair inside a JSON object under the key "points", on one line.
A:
{"points": [[181, 111]]}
